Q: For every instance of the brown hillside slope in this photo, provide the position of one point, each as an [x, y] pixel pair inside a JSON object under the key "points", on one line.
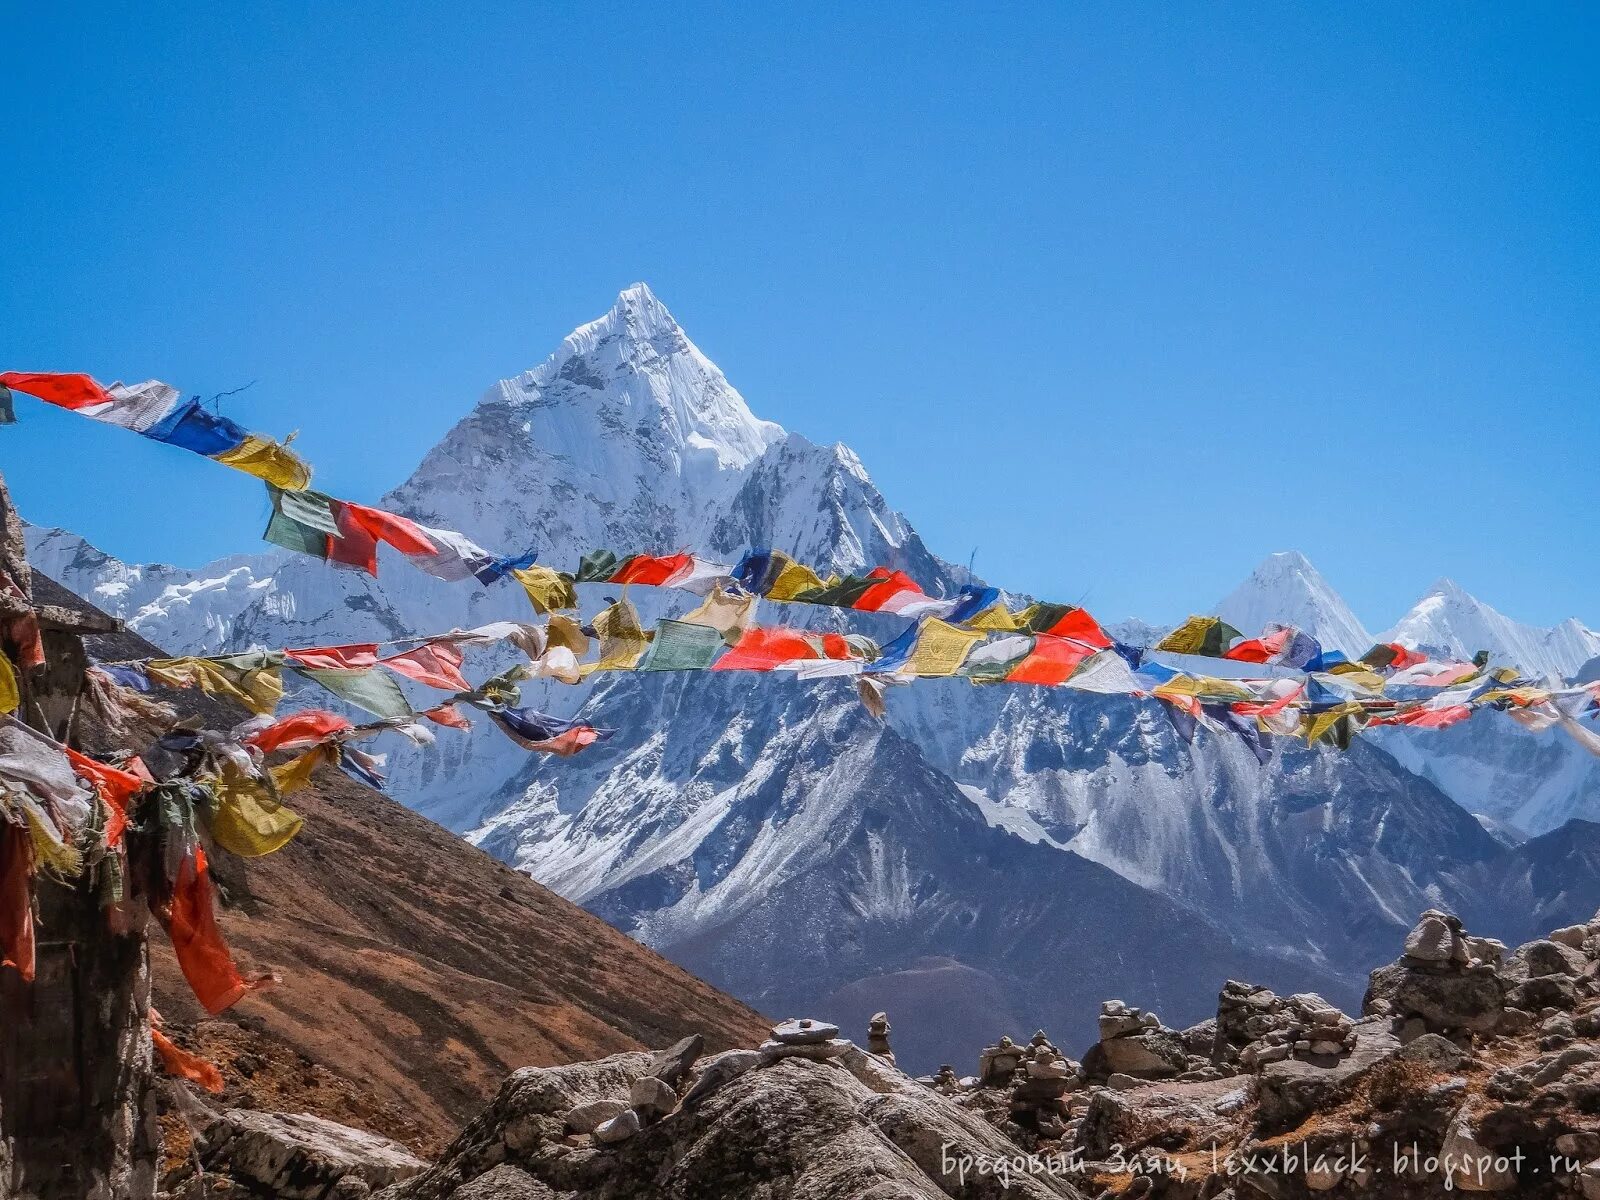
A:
{"points": [[417, 970]]}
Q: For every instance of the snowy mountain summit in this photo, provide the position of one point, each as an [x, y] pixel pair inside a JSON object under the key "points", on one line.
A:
{"points": [[1450, 622], [1288, 589]]}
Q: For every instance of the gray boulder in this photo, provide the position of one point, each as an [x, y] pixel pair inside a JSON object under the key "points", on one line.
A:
{"points": [[301, 1157]]}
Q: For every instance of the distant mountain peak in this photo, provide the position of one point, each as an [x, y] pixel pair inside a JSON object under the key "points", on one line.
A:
{"points": [[1286, 587], [1449, 621]]}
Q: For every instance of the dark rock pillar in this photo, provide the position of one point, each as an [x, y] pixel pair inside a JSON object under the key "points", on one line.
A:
{"points": [[77, 1101]]}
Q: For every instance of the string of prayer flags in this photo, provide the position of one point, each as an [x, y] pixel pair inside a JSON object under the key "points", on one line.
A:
{"points": [[159, 412]]}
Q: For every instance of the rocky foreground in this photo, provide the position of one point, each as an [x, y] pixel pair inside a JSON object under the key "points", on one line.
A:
{"points": [[1468, 1069]]}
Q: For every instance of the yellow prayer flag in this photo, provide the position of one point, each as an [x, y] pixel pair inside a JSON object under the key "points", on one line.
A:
{"points": [[10, 693], [941, 648], [622, 639], [269, 460], [996, 618], [1188, 638], [548, 590], [258, 688], [248, 820], [793, 579]]}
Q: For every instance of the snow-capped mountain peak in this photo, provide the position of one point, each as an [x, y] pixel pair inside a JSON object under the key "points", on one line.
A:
{"points": [[641, 347], [1286, 587], [1450, 622]]}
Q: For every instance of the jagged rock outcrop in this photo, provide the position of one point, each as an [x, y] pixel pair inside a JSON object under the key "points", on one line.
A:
{"points": [[846, 1125]]}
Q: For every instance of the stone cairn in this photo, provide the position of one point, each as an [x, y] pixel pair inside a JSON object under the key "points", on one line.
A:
{"points": [[878, 1037], [998, 1064], [1445, 982], [1256, 1027], [1134, 1043], [1038, 1095]]}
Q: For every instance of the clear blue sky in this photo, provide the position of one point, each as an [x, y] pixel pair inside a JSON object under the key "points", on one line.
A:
{"points": [[1123, 297]]}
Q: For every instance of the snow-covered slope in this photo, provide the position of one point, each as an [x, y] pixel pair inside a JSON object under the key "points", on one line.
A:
{"points": [[1449, 622], [1287, 588]]}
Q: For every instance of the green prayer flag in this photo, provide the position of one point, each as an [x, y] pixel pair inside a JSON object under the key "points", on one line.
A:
{"points": [[311, 509], [372, 689], [679, 646], [597, 566], [843, 594], [291, 535]]}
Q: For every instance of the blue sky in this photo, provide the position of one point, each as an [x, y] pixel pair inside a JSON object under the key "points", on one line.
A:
{"points": [[1121, 297]]}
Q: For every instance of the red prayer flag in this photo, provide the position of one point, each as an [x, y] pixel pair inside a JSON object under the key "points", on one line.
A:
{"points": [[404, 535], [16, 900], [197, 940], [654, 570], [437, 664], [64, 391], [116, 789], [892, 584], [1051, 661], [1081, 627], [308, 728], [178, 1062], [762, 649], [361, 657], [448, 714]]}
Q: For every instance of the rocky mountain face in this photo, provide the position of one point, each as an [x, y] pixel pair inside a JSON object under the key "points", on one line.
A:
{"points": [[766, 832]]}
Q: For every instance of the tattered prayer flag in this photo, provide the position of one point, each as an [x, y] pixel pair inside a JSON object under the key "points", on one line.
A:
{"points": [[940, 648], [996, 618], [248, 820], [1076, 623], [266, 459], [680, 646], [1052, 660], [203, 955], [64, 391], [497, 569], [653, 570], [291, 535], [8, 409], [16, 900], [335, 658], [402, 533], [254, 678], [792, 579], [886, 588], [542, 733], [312, 509], [766, 649], [138, 406], [993, 661], [115, 788], [10, 692], [180, 1064], [1263, 649], [547, 590], [294, 775], [622, 639], [447, 714], [372, 690], [437, 664], [725, 612], [306, 728], [455, 556]]}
